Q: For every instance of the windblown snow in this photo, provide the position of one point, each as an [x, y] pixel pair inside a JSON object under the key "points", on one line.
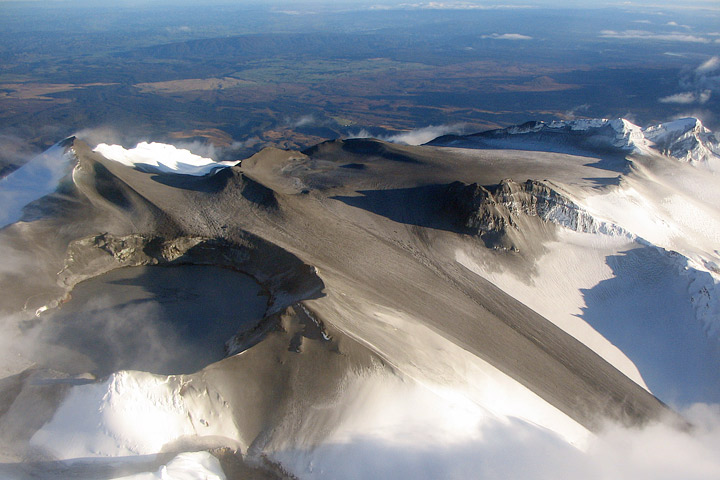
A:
{"points": [[162, 158], [37, 178]]}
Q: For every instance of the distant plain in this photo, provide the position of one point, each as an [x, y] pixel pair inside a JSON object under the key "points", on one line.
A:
{"points": [[237, 78]]}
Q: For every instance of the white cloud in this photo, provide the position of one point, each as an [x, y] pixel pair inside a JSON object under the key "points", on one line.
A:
{"points": [[708, 66], [675, 24], [108, 134], [303, 121], [15, 150], [418, 136], [697, 84], [571, 114], [450, 6], [363, 133], [37, 178], [510, 448], [424, 135], [687, 97], [645, 35], [507, 36]]}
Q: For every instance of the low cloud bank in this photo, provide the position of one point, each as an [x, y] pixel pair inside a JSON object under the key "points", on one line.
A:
{"points": [[698, 84], [508, 36], [418, 136], [646, 35], [402, 430], [450, 6], [513, 449], [687, 98]]}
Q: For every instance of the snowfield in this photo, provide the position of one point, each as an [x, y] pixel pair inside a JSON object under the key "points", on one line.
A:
{"points": [[162, 158], [132, 413]]}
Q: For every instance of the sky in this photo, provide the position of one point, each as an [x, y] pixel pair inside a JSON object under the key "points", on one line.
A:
{"points": [[405, 3]]}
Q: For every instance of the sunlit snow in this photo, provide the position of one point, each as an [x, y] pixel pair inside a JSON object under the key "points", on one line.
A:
{"points": [[37, 178], [162, 158]]}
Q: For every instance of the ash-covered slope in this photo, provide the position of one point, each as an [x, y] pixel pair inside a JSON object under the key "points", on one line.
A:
{"points": [[408, 291]]}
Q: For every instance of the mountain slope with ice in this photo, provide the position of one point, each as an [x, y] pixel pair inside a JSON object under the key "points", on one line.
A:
{"points": [[37, 178], [428, 309], [686, 139]]}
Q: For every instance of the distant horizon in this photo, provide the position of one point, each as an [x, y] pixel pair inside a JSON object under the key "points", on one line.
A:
{"points": [[706, 4]]}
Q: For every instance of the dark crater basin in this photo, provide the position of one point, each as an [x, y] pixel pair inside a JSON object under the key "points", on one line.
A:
{"points": [[165, 320]]}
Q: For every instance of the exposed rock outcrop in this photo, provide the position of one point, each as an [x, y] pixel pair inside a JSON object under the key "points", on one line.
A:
{"points": [[492, 212]]}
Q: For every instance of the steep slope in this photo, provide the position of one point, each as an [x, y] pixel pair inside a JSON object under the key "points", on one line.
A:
{"points": [[411, 279], [659, 215]]}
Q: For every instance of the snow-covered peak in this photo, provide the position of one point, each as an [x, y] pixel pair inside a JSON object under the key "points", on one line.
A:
{"points": [[162, 158], [686, 139], [618, 132], [674, 129], [629, 135]]}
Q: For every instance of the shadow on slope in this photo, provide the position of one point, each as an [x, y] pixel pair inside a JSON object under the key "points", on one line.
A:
{"points": [[206, 183], [419, 206], [363, 148], [645, 310]]}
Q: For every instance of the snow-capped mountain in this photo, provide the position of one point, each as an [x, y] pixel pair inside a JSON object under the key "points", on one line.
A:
{"points": [[422, 310], [685, 139]]}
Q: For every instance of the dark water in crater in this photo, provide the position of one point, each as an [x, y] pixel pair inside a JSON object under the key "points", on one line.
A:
{"points": [[158, 319]]}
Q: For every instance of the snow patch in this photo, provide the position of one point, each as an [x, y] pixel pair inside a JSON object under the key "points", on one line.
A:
{"points": [[186, 466], [162, 158], [37, 178], [133, 413], [575, 262]]}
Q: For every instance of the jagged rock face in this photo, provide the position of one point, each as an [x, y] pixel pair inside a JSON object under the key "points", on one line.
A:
{"points": [[494, 212], [687, 140], [477, 209]]}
